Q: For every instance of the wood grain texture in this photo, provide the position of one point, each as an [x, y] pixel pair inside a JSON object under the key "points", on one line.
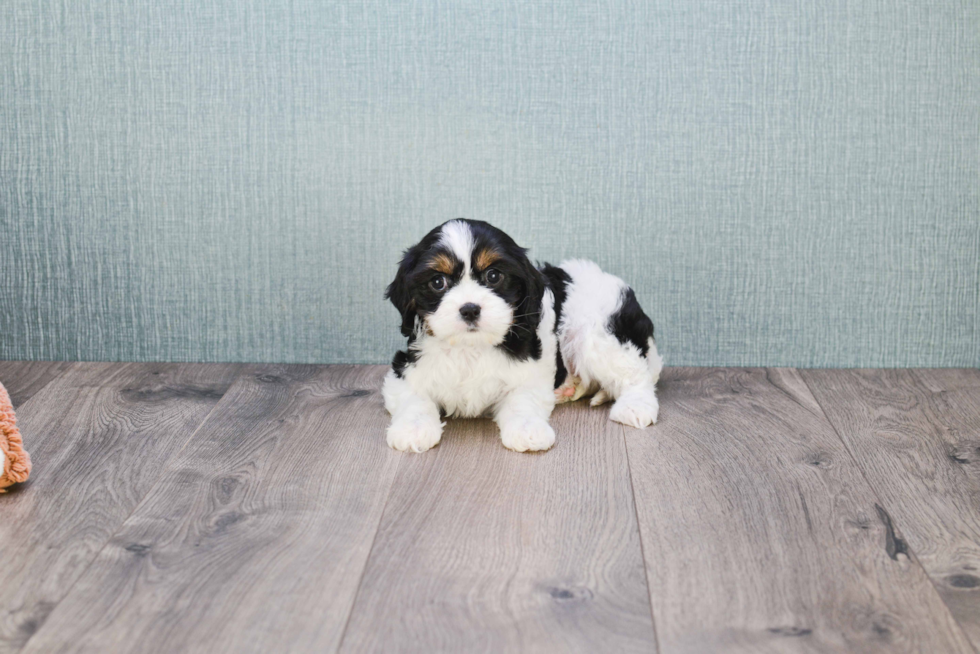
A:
{"points": [[486, 550], [760, 533], [98, 437], [174, 510], [256, 536], [916, 435], [23, 379]]}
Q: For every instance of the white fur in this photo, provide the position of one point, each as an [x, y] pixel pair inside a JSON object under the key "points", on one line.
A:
{"points": [[460, 370], [457, 237], [470, 378]]}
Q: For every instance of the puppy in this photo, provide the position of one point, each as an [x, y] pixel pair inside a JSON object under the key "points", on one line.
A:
{"points": [[491, 334]]}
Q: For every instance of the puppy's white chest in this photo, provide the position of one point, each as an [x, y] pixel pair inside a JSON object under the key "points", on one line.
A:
{"points": [[464, 381]]}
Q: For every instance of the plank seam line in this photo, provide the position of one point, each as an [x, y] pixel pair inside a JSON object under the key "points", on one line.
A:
{"points": [[367, 559], [72, 365], [910, 551], [920, 383], [639, 534], [149, 491]]}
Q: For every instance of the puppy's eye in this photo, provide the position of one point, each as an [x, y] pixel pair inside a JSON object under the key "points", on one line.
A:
{"points": [[437, 283], [493, 276]]}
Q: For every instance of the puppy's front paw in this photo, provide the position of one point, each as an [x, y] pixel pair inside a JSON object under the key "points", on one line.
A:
{"points": [[416, 434], [530, 434], [635, 411]]}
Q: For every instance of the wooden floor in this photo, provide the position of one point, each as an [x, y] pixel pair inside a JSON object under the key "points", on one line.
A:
{"points": [[256, 508]]}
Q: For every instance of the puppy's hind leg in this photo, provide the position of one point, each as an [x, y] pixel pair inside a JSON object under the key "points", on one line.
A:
{"points": [[637, 407], [628, 377], [600, 398]]}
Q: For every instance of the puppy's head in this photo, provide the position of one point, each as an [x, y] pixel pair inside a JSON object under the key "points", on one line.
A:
{"points": [[467, 282]]}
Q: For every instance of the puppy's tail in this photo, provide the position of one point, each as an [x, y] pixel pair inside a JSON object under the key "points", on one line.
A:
{"points": [[655, 362]]}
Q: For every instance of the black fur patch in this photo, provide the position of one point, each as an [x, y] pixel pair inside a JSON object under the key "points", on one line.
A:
{"points": [[403, 359], [557, 280], [521, 347], [402, 291], [630, 324]]}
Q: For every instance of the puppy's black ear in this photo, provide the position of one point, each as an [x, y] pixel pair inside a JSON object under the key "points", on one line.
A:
{"points": [[399, 292], [530, 309]]}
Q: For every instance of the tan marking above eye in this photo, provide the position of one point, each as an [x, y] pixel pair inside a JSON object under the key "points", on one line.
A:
{"points": [[443, 263], [486, 258]]}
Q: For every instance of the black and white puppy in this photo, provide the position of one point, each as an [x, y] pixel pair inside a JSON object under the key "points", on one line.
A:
{"points": [[490, 334]]}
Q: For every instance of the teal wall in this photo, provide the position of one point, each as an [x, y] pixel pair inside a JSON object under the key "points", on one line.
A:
{"points": [[784, 182]]}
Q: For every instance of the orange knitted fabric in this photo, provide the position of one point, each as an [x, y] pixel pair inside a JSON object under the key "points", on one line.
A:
{"points": [[15, 464]]}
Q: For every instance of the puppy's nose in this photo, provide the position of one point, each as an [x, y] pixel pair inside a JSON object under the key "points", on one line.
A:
{"points": [[470, 312]]}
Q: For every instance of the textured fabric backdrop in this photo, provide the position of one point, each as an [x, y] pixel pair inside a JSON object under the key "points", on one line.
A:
{"points": [[784, 182]]}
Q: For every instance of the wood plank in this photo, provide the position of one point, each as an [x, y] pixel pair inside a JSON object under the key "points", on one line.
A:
{"points": [[256, 536], [484, 549], [941, 379], [916, 435], [98, 435], [23, 379], [760, 533]]}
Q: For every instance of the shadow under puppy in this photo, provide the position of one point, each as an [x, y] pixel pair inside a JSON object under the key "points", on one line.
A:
{"points": [[491, 334]]}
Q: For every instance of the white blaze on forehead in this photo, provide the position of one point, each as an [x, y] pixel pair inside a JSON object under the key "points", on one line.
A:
{"points": [[458, 239]]}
